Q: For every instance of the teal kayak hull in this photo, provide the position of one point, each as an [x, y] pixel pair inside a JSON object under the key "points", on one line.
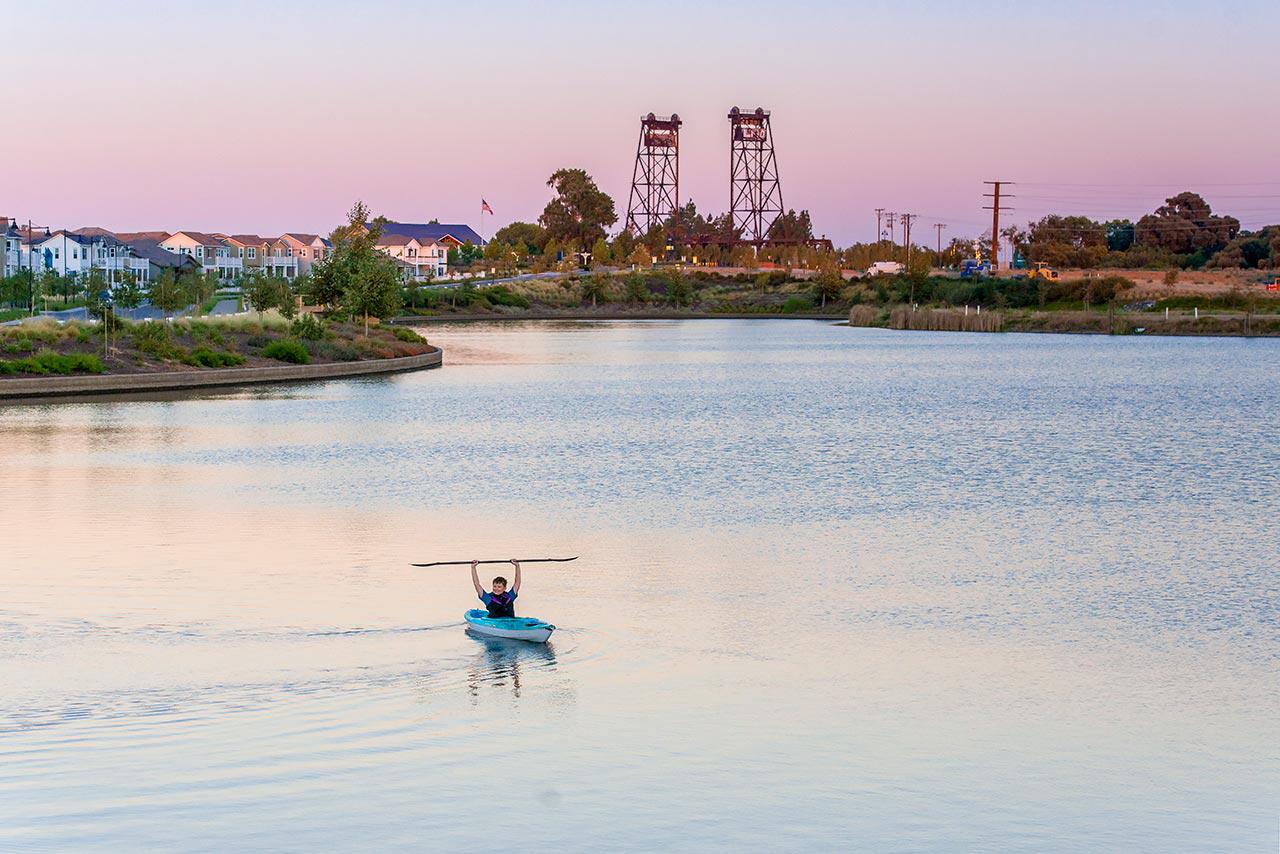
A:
{"points": [[513, 628]]}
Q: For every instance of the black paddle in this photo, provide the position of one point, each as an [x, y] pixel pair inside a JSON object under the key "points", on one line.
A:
{"points": [[468, 563]]}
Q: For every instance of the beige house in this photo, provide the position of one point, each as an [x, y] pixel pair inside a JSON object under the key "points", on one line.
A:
{"points": [[214, 253], [420, 259], [251, 249], [307, 249]]}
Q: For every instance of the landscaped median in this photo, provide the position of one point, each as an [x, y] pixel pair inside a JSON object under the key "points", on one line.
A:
{"points": [[45, 359]]}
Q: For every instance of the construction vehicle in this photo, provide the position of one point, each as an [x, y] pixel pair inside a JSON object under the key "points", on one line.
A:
{"points": [[1041, 270], [973, 268]]}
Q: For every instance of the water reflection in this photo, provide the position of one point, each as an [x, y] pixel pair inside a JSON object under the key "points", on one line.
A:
{"points": [[499, 662]]}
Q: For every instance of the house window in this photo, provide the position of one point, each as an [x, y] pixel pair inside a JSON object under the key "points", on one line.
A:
{"points": [[199, 251], [241, 254], [304, 253], [253, 252]]}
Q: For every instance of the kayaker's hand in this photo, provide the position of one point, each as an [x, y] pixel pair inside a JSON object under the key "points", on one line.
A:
{"points": [[513, 562], [474, 564]]}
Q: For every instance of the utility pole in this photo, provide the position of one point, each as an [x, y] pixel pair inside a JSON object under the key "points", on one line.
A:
{"points": [[938, 226], [995, 207], [879, 214], [892, 235], [906, 237]]}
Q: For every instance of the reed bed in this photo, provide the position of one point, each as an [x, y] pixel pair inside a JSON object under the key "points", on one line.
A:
{"points": [[945, 320]]}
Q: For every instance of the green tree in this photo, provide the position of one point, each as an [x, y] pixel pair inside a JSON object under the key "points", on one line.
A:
{"points": [[366, 279], [595, 288], [829, 283], [679, 291], [635, 290], [1185, 224], [127, 293], [579, 212], [167, 292], [640, 256], [530, 234], [600, 255]]}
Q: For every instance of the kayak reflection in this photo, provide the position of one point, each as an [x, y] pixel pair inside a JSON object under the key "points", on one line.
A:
{"points": [[500, 661]]}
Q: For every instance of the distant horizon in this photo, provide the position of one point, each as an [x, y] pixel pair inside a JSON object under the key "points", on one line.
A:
{"points": [[1085, 110]]}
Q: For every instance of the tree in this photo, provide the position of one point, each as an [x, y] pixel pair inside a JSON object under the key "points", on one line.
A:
{"points": [[595, 287], [1119, 235], [530, 234], [127, 294], [264, 293], [600, 253], [679, 291], [579, 212], [635, 290], [367, 280], [829, 283], [640, 256], [792, 226], [167, 292], [1185, 224]]}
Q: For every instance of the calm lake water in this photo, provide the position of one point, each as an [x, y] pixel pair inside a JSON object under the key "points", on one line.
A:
{"points": [[839, 589]]}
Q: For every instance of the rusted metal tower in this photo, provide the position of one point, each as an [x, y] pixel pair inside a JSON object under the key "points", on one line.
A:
{"points": [[755, 194], [655, 182]]}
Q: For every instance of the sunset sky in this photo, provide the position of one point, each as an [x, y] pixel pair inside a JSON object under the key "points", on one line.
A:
{"points": [[265, 117]]}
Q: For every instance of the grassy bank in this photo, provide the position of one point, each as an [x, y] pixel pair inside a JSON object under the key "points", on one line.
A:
{"points": [[1106, 322], [47, 348], [1109, 303]]}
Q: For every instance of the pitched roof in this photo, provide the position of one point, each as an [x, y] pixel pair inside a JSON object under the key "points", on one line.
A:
{"points": [[199, 237], [130, 236], [306, 239], [247, 239], [434, 231], [94, 231], [161, 257]]}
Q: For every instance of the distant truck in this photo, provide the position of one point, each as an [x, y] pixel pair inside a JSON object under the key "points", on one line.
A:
{"points": [[884, 268], [972, 268]]}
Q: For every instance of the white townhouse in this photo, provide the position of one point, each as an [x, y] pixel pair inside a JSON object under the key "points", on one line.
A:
{"points": [[70, 253], [418, 259], [214, 253], [11, 260], [422, 249]]}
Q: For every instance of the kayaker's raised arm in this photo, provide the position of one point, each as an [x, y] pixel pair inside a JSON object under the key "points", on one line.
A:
{"points": [[475, 579], [515, 585]]}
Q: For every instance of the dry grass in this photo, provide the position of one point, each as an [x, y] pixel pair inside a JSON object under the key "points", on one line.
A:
{"points": [[863, 315], [944, 320]]}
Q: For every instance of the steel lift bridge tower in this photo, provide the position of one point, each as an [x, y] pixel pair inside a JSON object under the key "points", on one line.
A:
{"points": [[755, 193], [655, 182]]}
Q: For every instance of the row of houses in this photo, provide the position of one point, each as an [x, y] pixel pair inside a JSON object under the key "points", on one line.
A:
{"points": [[421, 250]]}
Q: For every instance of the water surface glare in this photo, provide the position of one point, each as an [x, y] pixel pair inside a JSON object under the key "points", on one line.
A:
{"points": [[839, 589]]}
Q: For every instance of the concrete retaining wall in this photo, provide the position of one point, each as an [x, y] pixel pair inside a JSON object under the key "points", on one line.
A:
{"points": [[17, 389]]}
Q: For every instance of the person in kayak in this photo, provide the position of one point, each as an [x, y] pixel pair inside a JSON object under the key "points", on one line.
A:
{"points": [[501, 602]]}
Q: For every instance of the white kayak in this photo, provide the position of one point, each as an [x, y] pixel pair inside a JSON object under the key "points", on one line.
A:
{"points": [[514, 628]]}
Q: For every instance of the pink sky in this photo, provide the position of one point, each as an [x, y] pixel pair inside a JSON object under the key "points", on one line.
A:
{"points": [[234, 117]]}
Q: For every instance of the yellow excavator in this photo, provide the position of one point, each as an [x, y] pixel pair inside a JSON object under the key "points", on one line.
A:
{"points": [[1041, 270]]}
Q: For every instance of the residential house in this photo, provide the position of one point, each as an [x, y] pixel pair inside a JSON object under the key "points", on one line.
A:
{"points": [[418, 259], [434, 238], [214, 253], [280, 259], [307, 248], [73, 253], [152, 260], [11, 260], [251, 249]]}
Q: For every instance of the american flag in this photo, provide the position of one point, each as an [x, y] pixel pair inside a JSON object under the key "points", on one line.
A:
{"points": [[484, 207]]}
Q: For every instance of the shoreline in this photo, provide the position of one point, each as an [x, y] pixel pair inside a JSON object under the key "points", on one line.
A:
{"points": [[35, 388], [413, 320]]}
